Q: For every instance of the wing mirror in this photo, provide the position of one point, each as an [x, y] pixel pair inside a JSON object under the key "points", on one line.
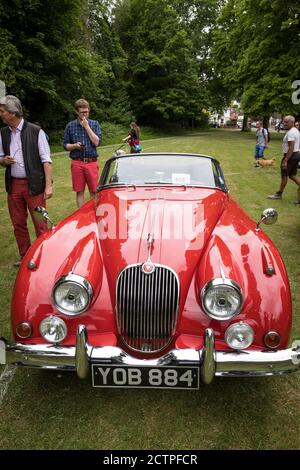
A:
{"points": [[268, 217], [41, 214]]}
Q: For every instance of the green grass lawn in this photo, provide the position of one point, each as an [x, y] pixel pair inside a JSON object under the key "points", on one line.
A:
{"points": [[48, 410]]}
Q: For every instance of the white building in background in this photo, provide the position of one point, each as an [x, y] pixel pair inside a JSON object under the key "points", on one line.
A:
{"points": [[231, 116], [235, 116]]}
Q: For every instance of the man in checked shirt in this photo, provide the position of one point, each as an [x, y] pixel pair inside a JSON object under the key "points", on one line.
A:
{"points": [[25, 153], [81, 138]]}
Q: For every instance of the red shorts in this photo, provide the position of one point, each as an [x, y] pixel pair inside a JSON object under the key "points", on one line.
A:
{"points": [[84, 173]]}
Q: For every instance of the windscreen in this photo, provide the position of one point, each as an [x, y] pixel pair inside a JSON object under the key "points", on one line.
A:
{"points": [[188, 170]]}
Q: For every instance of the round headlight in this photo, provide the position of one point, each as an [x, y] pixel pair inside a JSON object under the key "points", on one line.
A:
{"points": [[72, 294], [222, 299], [239, 336], [53, 329]]}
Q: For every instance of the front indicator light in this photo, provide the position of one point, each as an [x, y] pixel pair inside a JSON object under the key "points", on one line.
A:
{"points": [[24, 330], [53, 329], [239, 335], [272, 339]]}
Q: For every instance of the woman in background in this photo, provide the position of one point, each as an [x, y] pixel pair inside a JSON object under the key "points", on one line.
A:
{"points": [[133, 138]]}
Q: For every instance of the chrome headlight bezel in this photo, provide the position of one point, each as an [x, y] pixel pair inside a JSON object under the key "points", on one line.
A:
{"points": [[216, 284], [79, 282]]}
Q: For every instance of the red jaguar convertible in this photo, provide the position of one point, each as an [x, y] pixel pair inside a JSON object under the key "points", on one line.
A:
{"points": [[162, 281]]}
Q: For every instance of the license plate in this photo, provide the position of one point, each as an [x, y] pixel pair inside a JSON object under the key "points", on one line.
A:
{"points": [[145, 376]]}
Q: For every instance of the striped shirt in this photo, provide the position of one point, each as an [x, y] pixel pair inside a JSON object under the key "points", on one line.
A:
{"points": [[75, 132]]}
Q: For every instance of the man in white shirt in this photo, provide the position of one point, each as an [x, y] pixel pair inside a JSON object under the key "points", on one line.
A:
{"points": [[290, 160], [25, 153]]}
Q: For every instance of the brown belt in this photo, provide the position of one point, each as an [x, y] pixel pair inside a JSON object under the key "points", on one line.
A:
{"points": [[86, 159]]}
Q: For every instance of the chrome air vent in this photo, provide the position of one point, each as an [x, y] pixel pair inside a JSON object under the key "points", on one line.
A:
{"points": [[147, 306]]}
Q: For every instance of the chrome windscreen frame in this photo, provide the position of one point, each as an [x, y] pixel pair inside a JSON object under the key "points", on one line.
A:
{"points": [[218, 173]]}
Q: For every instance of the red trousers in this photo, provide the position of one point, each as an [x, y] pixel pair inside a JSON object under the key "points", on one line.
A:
{"points": [[19, 202]]}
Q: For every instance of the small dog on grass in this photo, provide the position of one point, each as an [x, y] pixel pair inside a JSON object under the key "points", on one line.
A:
{"points": [[263, 162]]}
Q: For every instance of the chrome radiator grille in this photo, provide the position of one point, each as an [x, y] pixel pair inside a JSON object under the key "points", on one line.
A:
{"points": [[147, 307]]}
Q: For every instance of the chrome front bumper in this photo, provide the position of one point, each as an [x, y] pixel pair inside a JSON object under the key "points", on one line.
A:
{"points": [[211, 362]]}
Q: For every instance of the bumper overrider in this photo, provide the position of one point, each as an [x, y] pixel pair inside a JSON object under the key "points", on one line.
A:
{"points": [[211, 362]]}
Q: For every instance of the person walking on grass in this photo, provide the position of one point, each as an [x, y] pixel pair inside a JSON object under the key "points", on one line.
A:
{"points": [[133, 138], [81, 138], [25, 153], [261, 142], [291, 157]]}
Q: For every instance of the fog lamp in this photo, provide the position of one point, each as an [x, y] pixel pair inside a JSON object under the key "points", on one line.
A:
{"points": [[239, 335], [24, 330], [272, 339], [53, 329]]}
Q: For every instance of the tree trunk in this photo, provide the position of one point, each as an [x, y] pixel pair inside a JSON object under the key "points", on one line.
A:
{"points": [[245, 122]]}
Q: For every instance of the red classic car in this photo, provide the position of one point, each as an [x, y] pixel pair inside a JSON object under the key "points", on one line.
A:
{"points": [[161, 281]]}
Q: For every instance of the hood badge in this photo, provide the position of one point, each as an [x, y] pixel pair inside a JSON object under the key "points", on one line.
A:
{"points": [[148, 267]]}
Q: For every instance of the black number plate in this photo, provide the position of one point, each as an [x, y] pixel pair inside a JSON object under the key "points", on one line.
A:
{"points": [[145, 376]]}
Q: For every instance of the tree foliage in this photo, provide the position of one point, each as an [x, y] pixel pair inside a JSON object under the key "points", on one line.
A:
{"points": [[106, 44], [159, 61], [162, 72], [199, 19], [49, 55], [256, 49]]}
